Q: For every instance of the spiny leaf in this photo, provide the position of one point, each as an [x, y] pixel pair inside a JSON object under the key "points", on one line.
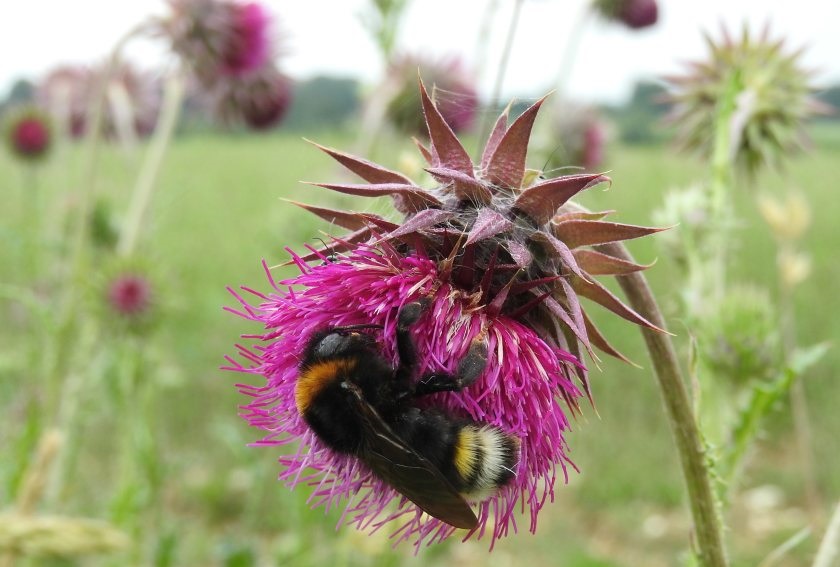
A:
{"points": [[506, 165], [488, 223], [600, 264], [344, 219], [465, 187], [577, 233], [541, 201], [599, 294], [495, 136], [367, 170], [414, 198], [446, 150]]}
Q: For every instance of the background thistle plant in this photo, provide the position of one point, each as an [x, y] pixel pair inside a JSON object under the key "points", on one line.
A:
{"points": [[762, 88]]}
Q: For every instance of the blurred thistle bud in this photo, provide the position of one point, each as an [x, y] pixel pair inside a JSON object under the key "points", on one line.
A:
{"points": [[65, 92], [28, 133], [103, 230], [220, 39], [259, 101], [738, 337], [453, 91], [788, 219], [128, 296], [635, 14], [794, 267], [768, 88], [575, 137], [689, 210]]}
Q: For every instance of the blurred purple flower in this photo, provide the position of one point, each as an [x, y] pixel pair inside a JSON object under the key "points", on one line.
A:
{"points": [[28, 133], [635, 14], [259, 101], [130, 295]]}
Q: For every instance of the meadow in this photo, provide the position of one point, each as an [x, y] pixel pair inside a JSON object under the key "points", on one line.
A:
{"points": [[217, 214]]}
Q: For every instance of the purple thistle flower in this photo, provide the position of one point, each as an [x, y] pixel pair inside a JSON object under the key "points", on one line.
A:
{"points": [[259, 101], [517, 391], [635, 14], [501, 256], [28, 133], [129, 295], [220, 39]]}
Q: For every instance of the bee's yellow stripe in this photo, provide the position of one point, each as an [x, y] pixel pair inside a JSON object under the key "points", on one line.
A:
{"points": [[465, 454], [312, 380]]}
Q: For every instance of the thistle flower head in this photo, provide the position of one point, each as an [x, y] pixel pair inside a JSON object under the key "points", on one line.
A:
{"points": [[576, 136], [28, 133], [220, 39], [762, 88], [502, 257], [128, 296], [65, 92], [635, 14], [455, 94], [259, 101]]}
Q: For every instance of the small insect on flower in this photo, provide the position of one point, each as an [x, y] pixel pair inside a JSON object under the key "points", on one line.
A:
{"points": [[358, 404]]}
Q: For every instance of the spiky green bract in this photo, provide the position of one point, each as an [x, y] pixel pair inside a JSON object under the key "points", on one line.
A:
{"points": [[763, 88]]}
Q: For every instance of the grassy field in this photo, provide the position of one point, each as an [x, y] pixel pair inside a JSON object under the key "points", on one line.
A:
{"points": [[217, 214]]}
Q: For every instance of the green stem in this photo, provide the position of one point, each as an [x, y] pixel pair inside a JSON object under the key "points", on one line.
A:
{"points": [[693, 457], [145, 184], [830, 547]]}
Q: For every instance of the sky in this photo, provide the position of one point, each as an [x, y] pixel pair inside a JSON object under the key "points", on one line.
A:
{"points": [[327, 36]]}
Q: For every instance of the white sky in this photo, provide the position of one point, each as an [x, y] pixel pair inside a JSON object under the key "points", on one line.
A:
{"points": [[326, 36]]}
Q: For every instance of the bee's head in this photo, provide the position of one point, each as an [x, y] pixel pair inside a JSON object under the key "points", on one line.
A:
{"points": [[340, 342]]}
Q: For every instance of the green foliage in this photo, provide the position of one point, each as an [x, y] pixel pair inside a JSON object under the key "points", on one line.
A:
{"points": [[323, 103]]}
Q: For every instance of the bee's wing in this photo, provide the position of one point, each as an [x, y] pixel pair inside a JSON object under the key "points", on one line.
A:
{"points": [[409, 472]]}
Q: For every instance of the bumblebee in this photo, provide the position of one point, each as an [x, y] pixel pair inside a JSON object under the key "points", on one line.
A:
{"points": [[358, 404]]}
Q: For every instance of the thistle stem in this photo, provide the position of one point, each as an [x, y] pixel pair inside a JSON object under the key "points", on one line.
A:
{"points": [[702, 498], [830, 546], [145, 184]]}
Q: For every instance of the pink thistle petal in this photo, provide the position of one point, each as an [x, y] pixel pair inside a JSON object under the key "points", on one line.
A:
{"points": [[541, 201], [414, 198], [506, 166], [446, 149], [488, 223], [520, 391]]}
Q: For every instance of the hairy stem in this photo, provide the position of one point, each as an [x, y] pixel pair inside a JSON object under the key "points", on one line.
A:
{"points": [[695, 467]]}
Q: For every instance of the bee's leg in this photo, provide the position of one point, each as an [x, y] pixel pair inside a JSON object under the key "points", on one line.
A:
{"points": [[469, 370], [408, 315]]}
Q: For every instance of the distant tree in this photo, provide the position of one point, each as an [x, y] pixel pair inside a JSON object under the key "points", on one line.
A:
{"points": [[831, 97], [323, 102], [640, 121], [21, 92]]}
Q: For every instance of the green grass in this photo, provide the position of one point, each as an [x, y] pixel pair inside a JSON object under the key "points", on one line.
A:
{"points": [[217, 214]]}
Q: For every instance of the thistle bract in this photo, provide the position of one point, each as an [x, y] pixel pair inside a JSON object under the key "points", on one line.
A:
{"points": [[501, 256], [455, 94], [762, 88]]}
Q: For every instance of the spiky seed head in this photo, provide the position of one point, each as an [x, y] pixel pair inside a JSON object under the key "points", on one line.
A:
{"points": [[765, 84]]}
